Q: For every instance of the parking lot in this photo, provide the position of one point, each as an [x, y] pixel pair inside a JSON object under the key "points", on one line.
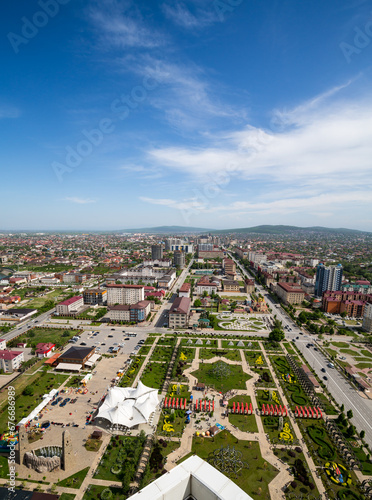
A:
{"points": [[104, 338]]}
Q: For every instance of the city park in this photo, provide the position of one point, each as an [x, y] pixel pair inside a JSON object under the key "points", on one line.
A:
{"points": [[246, 406]]}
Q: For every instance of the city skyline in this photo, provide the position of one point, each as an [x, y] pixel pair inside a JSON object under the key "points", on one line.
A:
{"points": [[215, 114]]}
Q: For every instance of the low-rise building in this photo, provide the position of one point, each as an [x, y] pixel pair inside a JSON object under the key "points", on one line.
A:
{"points": [[130, 312], [179, 313], [44, 350], [208, 284], [10, 360], [289, 294], [185, 290], [230, 286], [75, 355], [249, 286], [70, 307], [2, 344]]}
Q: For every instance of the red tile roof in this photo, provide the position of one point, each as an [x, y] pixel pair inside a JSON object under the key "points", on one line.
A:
{"points": [[70, 301]]}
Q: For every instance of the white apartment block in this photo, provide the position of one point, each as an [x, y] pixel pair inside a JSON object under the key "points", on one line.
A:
{"points": [[124, 294], [10, 360]]}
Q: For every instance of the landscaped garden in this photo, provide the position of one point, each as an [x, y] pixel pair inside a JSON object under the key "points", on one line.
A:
{"points": [[119, 462], [255, 358], [255, 473], [221, 376]]}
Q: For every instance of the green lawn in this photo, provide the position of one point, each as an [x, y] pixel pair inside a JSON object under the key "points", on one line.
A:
{"points": [[366, 464], [362, 366], [4, 467], [265, 379], [351, 352], [365, 352], [343, 345], [154, 374], [327, 405], [67, 496], [232, 354], [58, 336], [171, 424], [93, 493], [74, 481], [40, 301], [255, 358], [235, 378], [246, 423], [253, 480], [128, 378], [161, 353], [42, 383]]}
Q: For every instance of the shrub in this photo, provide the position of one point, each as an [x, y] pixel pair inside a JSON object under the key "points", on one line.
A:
{"points": [[291, 453], [294, 484], [298, 449]]}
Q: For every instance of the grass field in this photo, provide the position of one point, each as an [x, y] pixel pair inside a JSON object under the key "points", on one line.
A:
{"points": [[94, 492], [41, 382], [40, 301], [75, 480], [235, 380], [343, 345], [253, 480], [4, 467], [58, 336], [246, 423], [154, 374]]}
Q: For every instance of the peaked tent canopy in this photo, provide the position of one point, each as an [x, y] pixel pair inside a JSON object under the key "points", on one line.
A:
{"points": [[128, 406]]}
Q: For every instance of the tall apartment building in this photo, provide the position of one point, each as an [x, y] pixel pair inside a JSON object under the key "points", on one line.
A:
{"points": [[156, 252], [229, 266], [124, 294], [367, 318], [327, 278], [179, 259]]}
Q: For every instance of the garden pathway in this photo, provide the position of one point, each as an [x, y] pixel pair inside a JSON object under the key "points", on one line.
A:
{"points": [[149, 354]]}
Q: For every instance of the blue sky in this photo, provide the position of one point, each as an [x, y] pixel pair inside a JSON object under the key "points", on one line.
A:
{"points": [[211, 113]]}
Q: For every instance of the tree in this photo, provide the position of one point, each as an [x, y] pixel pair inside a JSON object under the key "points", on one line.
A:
{"points": [[28, 391], [362, 434], [349, 414], [342, 407], [276, 335], [197, 303]]}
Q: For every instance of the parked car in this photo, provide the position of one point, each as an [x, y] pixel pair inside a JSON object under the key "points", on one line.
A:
{"points": [[325, 378], [56, 401], [110, 336], [323, 370]]}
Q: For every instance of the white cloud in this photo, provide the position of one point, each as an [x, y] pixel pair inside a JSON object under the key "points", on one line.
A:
{"points": [[79, 201], [187, 204]]}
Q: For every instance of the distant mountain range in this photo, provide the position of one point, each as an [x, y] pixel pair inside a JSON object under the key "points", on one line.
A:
{"points": [[270, 229], [264, 229]]}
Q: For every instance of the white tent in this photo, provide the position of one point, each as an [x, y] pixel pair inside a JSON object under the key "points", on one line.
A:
{"points": [[128, 406]]}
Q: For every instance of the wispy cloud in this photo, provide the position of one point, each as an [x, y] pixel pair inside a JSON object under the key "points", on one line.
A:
{"points": [[9, 112], [121, 25], [79, 201], [182, 16], [187, 204]]}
